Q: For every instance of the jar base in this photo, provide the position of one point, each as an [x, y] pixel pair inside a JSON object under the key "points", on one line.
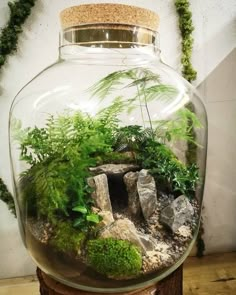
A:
{"points": [[172, 285]]}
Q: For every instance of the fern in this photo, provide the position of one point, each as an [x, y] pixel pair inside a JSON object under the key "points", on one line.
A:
{"points": [[135, 77], [60, 156], [178, 128], [148, 87]]}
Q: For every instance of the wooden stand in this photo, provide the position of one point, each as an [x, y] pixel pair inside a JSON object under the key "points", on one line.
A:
{"points": [[172, 285]]}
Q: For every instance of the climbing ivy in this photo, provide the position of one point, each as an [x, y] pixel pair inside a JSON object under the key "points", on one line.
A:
{"points": [[6, 197], [186, 28], [19, 11]]}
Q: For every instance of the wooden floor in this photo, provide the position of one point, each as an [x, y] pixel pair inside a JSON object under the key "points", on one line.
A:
{"points": [[211, 275]]}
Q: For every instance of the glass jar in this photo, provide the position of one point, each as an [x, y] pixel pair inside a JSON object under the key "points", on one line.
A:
{"points": [[108, 153]]}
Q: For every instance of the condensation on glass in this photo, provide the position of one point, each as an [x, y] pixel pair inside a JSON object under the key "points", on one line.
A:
{"points": [[108, 152]]}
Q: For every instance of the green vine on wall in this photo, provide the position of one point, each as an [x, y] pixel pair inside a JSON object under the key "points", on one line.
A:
{"points": [[186, 28], [19, 12], [6, 197]]}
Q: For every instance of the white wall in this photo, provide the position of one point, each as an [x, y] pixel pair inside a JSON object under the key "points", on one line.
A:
{"points": [[214, 39], [220, 191]]}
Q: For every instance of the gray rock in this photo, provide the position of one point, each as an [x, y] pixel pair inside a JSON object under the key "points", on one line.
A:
{"points": [[147, 193], [114, 168], [177, 213], [148, 242], [130, 180], [101, 192], [123, 229]]}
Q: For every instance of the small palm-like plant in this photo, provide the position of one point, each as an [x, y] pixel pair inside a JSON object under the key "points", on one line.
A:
{"points": [[148, 87]]}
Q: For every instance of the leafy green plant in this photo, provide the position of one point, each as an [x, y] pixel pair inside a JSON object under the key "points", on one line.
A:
{"points": [[130, 137], [167, 169], [60, 156], [114, 258], [85, 217]]}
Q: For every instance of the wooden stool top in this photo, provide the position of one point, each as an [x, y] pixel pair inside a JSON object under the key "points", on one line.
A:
{"points": [[172, 285]]}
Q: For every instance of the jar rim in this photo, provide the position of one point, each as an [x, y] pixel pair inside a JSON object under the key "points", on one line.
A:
{"points": [[108, 35]]}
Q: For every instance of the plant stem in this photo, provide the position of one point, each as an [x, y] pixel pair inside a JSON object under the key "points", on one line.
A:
{"points": [[148, 113], [141, 107]]}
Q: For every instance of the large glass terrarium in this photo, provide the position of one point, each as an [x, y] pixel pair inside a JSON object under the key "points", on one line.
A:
{"points": [[108, 150]]}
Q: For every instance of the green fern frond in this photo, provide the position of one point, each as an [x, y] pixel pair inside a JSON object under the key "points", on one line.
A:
{"points": [[111, 82], [178, 128], [110, 113], [108, 84], [160, 92]]}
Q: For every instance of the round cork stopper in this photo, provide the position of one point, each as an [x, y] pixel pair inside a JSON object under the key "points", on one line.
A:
{"points": [[108, 13]]}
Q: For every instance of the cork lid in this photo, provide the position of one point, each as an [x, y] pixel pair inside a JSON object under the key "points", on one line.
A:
{"points": [[108, 13]]}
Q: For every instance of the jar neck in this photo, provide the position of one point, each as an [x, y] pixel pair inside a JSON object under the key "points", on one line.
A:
{"points": [[113, 38]]}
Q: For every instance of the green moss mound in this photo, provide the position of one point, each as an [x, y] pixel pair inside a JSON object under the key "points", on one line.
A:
{"points": [[114, 258], [67, 239]]}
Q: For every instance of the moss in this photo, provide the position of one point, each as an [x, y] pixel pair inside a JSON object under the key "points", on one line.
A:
{"points": [[114, 258], [186, 28], [67, 239]]}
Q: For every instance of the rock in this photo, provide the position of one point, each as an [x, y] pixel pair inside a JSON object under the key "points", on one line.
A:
{"points": [[147, 193], [123, 229], [164, 200], [177, 213], [101, 192], [113, 168], [130, 180], [148, 242], [107, 218]]}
